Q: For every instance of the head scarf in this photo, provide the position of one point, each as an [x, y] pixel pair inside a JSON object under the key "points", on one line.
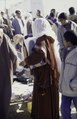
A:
{"points": [[42, 27]]}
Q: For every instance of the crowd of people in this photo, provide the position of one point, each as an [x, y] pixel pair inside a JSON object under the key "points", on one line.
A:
{"points": [[48, 46]]}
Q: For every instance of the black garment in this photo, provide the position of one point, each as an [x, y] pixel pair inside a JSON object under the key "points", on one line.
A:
{"points": [[6, 57], [5, 85]]}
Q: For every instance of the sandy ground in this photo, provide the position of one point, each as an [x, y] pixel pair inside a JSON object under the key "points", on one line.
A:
{"points": [[23, 111], [20, 111]]}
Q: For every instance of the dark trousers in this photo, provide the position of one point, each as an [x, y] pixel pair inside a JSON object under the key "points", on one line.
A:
{"points": [[66, 106]]}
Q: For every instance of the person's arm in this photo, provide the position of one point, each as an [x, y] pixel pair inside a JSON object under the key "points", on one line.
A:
{"points": [[60, 38], [12, 53], [60, 41]]}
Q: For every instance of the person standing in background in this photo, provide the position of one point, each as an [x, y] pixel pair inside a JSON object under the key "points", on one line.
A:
{"points": [[18, 23], [64, 26], [28, 21], [72, 14]]}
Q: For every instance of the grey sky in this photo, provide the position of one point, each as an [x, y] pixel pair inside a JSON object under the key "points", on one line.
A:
{"points": [[7, 3], [59, 5]]}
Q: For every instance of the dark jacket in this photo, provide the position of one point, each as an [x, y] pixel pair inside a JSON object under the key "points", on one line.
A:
{"points": [[16, 26]]}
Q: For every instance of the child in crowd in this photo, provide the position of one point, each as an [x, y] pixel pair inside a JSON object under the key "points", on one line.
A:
{"points": [[68, 77]]}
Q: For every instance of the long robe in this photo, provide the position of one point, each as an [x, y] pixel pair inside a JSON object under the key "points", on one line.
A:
{"points": [[7, 58], [45, 104]]}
